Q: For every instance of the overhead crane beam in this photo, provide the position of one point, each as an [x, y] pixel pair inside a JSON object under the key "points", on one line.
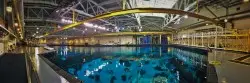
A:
{"points": [[136, 10], [117, 34]]}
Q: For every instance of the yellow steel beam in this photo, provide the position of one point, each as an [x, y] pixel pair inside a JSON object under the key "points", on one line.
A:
{"points": [[135, 10], [197, 6], [124, 4], [73, 20], [133, 33], [3, 27], [119, 34], [20, 25]]}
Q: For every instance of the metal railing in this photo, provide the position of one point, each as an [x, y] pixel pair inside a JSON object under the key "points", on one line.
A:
{"points": [[32, 75]]}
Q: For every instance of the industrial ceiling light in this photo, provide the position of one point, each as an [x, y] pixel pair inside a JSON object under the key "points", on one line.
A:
{"points": [[88, 24], [9, 9], [100, 27], [140, 30], [246, 0], [36, 31], [206, 24], [86, 29], [16, 24], [186, 16], [57, 11], [95, 30], [96, 26], [225, 20], [37, 28]]}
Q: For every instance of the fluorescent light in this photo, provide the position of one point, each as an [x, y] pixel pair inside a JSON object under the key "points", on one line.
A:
{"points": [[88, 24], [140, 30], [16, 24], [96, 26], [185, 16], [99, 27], [225, 20], [9, 9]]}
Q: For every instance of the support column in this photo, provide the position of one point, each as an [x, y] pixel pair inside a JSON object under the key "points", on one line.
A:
{"points": [[124, 4], [215, 41], [188, 38], [151, 39], [138, 40], [182, 40], [202, 39], [160, 39], [192, 40]]}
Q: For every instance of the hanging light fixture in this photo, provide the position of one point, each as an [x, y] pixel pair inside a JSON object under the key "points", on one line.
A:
{"points": [[225, 20], [9, 9], [16, 24], [186, 16]]}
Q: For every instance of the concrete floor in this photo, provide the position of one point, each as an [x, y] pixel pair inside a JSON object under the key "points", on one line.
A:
{"points": [[45, 72], [13, 68], [247, 60], [227, 71]]}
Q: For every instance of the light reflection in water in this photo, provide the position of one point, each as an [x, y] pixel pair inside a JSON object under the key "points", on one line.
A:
{"points": [[37, 59], [133, 64]]}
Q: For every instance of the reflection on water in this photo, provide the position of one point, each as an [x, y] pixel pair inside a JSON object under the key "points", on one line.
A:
{"points": [[132, 64]]}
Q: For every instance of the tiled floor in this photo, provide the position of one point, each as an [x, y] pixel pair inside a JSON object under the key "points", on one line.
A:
{"points": [[227, 71]]}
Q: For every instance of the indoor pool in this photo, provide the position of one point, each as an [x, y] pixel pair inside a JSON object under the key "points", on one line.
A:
{"points": [[146, 64]]}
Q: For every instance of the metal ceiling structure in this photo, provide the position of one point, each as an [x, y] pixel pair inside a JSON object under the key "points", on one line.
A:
{"points": [[41, 16]]}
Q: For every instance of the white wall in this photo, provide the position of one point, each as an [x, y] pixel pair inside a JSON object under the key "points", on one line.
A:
{"points": [[106, 40], [116, 39], [242, 23], [220, 11]]}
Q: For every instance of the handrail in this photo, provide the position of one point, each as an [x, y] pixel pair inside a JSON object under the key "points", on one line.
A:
{"points": [[28, 69], [31, 73], [3, 27]]}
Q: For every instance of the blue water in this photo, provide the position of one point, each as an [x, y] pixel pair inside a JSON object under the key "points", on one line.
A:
{"points": [[132, 64]]}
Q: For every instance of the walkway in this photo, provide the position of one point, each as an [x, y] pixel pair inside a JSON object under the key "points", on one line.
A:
{"points": [[228, 71], [13, 68]]}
